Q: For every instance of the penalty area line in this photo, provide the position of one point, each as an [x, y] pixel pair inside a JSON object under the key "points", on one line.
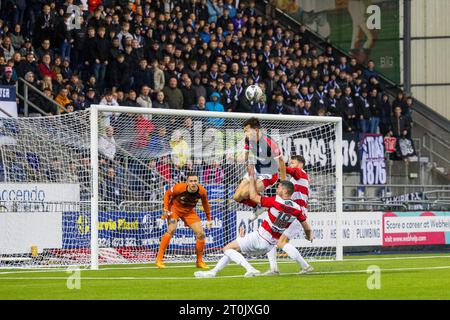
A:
{"points": [[228, 277]]}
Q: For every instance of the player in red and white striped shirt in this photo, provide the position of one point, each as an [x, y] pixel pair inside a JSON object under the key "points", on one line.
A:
{"points": [[300, 179], [283, 211]]}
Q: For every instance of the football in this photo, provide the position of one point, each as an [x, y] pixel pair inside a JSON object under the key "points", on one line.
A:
{"points": [[253, 93]]}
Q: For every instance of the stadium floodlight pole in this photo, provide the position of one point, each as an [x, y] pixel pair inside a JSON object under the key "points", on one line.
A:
{"points": [[339, 191], [95, 182]]}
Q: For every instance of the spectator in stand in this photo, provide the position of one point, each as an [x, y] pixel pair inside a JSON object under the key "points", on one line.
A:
{"points": [[375, 111], [386, 114], [111, 189], [331, 103], [180, 149], [63, 100], [407, 108], [279, 107], [158, 77], [370, 71], [101, 57], [160, 102], [7, 48], [7, 79], [347, 110], [214, 11], [165, 169], [214, 174], [144, 100], [400, 125], [144, 128], [45, 49], [189, 94], [107, 144], [45, 24], [173, 94], [17, 39], [309, 110], [45, 67], [159, 142], [119, 73], [130, 100], [152, 180], [215, 106], [201, 104], [399, 101], [91, 97], [27, 65], [363, 111], [261, 106], [143, 76], [33, 96], [63, 36]]}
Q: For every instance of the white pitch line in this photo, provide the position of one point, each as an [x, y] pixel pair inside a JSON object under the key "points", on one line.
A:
{"points": [[257, 262], [227, 277]]}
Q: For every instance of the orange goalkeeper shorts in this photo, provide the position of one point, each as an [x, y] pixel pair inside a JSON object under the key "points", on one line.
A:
{"points": [[188, 218]]}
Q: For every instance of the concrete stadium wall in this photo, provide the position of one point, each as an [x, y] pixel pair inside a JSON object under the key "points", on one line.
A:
{"points": [[430, 53]]}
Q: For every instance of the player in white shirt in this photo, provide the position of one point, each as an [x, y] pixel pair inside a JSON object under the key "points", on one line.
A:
{"points": [[282, 212], [300, 179]]}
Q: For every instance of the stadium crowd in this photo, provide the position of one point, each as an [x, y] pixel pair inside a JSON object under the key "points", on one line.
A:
{"points": [[185, 55], [182, 54]]}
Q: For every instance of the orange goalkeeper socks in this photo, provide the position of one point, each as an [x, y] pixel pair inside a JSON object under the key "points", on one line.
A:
{"points": [[163, 246], [199, 248]]}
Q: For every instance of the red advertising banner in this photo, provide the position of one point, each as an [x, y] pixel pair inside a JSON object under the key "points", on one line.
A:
{"points": [[416, 228]]}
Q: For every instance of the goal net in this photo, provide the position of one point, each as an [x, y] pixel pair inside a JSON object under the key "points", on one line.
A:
{"points": [[87, 188]]}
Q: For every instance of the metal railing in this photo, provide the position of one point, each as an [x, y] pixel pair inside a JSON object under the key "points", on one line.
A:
{"points": [[430, 143], [435, 197], [27, 103]]}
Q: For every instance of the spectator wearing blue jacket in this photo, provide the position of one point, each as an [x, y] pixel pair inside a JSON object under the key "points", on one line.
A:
{"points": [[214, 11], [231, 8], [205, 35], [370, 71], [215, 105]]}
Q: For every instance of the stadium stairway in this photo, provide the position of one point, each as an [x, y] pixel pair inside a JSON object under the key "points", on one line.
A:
{"points": [[431, 130]]}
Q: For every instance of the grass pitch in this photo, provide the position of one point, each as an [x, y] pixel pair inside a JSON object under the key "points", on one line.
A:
{"points": [[425, 276]]}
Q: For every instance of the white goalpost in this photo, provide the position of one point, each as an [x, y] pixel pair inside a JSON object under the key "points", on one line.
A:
{"points": [[86, 188]]}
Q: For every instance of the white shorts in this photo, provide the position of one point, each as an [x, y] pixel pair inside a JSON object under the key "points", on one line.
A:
{"points": [[253, 244], [294, 230]]}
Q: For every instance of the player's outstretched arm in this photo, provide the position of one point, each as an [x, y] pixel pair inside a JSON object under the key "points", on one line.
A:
{"points": [[167, 198], [206, 207], [308, 230], [254, 196], [282, 168]]}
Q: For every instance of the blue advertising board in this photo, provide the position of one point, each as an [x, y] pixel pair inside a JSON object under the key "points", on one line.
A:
{"points": [[138, 229]]}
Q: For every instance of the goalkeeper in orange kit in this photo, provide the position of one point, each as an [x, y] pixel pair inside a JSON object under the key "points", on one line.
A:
{"points": [[179, 203]]}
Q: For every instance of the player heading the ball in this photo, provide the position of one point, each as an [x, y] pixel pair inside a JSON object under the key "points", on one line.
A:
{"points": [[282, 212], [268, 159], [179, 203]]}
